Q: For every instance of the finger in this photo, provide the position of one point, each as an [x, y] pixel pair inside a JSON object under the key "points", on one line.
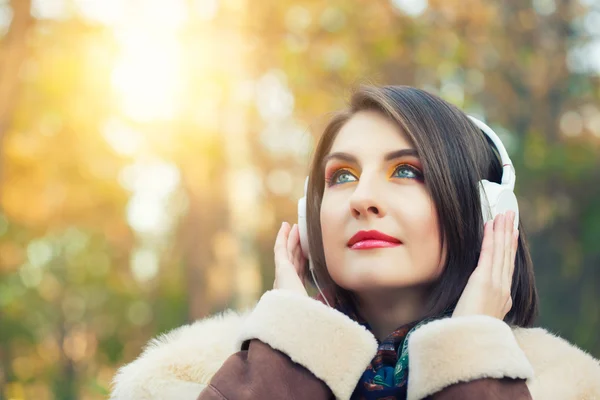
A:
{"points": [[294, 253], [513, 256], [508, 243], [507, 307], [280, 249], [298, 257], [297, 254], [300, 264], [292, 241], [498, 258], [487, 249]]}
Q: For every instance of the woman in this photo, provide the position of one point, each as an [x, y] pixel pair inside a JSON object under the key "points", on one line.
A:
{"points": [[426, 300]]}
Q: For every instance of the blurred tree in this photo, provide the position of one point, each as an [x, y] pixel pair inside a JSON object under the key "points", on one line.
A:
{"points": [[12, 56], [64, 248]]}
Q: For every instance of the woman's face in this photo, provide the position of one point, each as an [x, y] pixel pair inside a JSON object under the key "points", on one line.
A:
{"points": [[374, 183]]}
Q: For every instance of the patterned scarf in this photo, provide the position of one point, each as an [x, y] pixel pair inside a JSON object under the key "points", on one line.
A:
{"points": [[386, 377]]}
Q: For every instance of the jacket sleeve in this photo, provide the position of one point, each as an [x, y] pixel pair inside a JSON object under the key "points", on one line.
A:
{"points": [[294, 347], [471, 357], [261, 372], [485, 388]]}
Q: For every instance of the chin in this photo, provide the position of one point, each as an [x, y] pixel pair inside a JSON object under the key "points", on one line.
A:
{"points": [[370, 280], [358, 277]]}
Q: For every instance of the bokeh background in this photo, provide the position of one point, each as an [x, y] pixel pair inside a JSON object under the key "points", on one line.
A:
{"points": [[150, 150]]}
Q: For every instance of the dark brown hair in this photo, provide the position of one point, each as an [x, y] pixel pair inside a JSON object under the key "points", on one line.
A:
{"points": [[455, 155]]}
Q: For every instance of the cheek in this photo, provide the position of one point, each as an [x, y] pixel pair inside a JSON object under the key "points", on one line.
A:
{"points": [[332, 219], [332, 231], [426, 240], [418, 220]]}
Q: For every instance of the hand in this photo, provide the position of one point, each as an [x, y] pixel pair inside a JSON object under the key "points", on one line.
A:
{"points": [[289, 260], [488, 289]]}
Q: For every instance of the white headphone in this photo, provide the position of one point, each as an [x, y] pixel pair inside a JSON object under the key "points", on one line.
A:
{"points": [[496, 198]]}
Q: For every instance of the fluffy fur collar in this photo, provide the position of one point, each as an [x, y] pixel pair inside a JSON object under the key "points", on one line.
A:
{"points": [[180, 363]]}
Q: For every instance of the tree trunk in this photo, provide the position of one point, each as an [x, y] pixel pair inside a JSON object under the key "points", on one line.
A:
{"points": [[13, 51]]}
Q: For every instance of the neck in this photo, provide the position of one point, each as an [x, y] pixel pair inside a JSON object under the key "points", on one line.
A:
{"points": [[387, 309]]}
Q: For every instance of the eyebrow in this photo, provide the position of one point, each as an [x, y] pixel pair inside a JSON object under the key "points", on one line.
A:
{"points": [[351, 159]]}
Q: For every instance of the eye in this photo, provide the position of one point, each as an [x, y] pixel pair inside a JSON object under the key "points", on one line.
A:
{"points": [[407, 171], [340, 176]]}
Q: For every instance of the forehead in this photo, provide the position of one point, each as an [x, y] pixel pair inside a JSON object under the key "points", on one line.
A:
{"points": [[369, 133]]}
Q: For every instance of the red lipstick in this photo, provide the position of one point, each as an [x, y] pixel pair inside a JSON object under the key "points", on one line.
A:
{"points": [[364, 240]]}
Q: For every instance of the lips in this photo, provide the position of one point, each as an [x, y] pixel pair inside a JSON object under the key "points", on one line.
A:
{"points": [[372, 239]]}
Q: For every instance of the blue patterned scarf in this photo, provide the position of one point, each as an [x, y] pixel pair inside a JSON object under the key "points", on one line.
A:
{"points": [[386, 377]]}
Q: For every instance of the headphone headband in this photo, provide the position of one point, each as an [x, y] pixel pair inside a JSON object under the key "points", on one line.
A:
{"points": [[508, 169]]}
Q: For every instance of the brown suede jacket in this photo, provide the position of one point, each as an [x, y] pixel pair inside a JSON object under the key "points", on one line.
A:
{"points": [[283, 349]]}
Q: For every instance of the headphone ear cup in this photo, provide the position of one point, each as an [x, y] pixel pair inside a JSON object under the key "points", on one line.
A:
{"points": [[497, 199], [302, 226]]}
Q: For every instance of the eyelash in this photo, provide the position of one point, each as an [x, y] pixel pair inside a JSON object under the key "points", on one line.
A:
{"points": [[330, 180]]}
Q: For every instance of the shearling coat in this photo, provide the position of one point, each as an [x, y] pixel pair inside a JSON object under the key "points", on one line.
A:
{"points": [[294, 347]]}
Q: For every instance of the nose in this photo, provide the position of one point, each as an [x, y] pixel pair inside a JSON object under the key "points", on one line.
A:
{"points": [[365, 202]]}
